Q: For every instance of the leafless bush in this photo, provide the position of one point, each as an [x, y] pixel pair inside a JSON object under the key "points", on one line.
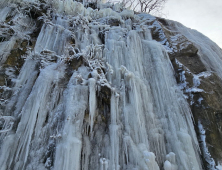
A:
{"points": [[149, 6]]}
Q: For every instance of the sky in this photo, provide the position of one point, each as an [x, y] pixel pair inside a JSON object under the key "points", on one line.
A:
{"points": [[204, 16]]}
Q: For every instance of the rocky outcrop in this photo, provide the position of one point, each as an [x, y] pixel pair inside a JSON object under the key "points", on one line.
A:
{"points": [[201, 86]]}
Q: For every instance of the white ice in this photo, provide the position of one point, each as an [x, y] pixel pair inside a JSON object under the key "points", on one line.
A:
{"points": [[147, 124]]}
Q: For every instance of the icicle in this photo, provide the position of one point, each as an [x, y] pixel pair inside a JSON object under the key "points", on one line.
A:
{"points": [[103, 164], [52, 38], [69, 148], [170, 163], [5, 49], [114, 128], [92, 102], [35, 104]]}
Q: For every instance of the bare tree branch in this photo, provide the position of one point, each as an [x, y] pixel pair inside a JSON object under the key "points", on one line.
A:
{"points": [[149, 6]]}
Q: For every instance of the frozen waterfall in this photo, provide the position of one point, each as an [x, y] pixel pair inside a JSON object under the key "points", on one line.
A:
{"points": [[95, 92]]}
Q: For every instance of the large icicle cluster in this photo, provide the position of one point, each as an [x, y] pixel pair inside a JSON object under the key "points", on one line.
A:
{"points": [[94, 92]]}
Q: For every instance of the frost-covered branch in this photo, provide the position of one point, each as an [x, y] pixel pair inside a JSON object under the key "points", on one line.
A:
{"points": [[6, 123]]}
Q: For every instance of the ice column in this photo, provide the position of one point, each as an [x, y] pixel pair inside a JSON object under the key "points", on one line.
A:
{"points": [[114, 135], [68, 151], [92, 102]]}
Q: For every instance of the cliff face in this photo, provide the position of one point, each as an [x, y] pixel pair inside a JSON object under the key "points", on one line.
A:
{"points": [[105, 89], [197, 61]]}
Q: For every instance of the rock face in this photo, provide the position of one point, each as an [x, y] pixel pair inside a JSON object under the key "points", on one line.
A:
{"points": [[105, 89], [200, 79]]}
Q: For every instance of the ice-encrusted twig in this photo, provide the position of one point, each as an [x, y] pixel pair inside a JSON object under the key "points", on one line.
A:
{"points": [[8, 123]]}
